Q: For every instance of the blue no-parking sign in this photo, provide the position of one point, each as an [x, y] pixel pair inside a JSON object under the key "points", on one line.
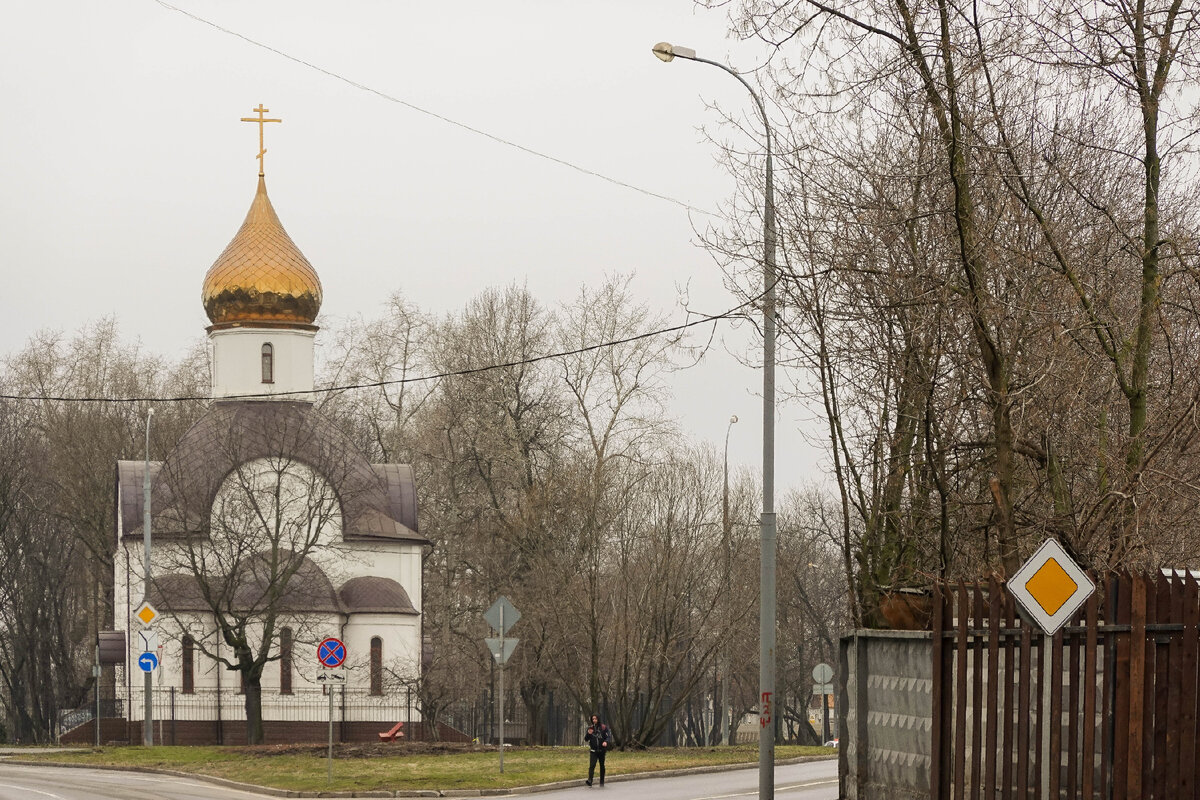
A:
{"points": [[331, 652], [147, 661]]}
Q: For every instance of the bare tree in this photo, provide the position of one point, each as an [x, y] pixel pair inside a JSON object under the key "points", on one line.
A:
{"points": [[958, 173], [43, 614], [382, 355]]}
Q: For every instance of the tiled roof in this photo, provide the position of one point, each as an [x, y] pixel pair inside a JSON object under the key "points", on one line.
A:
{"points": [[375, 595], [378, 501], [130, 476], [308, 590]]}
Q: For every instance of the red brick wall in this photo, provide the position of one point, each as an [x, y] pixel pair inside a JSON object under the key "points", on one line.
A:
{"points": [[111, 730]]}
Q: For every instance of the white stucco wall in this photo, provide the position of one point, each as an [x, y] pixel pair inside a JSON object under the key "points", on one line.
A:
{"points": [[401, 637], [237, 361], [400, 561]]}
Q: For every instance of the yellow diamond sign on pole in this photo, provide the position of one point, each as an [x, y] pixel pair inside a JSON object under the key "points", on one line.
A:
{"points": [[146, 613], [1050, 586]]}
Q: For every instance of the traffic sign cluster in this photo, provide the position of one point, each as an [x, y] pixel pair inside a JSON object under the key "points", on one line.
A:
{"points": [[149, 659]]}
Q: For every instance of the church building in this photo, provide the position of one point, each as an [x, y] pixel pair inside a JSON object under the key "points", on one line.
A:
{"points": [[270, 532]]}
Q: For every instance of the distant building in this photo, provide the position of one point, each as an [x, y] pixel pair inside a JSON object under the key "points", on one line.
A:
{"points": [[265, 508]]}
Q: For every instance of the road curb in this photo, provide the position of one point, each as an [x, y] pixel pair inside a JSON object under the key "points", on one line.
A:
{"points": [[515, 790]]}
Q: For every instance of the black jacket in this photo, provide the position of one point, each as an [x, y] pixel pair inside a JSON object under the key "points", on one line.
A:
{"points": [[600, 733]]}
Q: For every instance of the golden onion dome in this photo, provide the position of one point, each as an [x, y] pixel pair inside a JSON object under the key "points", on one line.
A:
{"points": [[262, 276]]}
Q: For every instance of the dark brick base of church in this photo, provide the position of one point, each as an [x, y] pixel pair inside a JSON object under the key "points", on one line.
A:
{"points": [[186, 732]]}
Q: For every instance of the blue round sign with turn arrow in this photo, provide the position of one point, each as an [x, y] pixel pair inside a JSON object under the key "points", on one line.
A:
{"points": [[147, 661], [331, 652]]}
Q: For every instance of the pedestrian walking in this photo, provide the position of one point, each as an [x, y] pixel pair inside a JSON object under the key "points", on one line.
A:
{"points": [[600, 740]]}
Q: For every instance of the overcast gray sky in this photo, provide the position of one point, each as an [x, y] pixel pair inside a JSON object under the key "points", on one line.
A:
{"points": [[125, 170]]}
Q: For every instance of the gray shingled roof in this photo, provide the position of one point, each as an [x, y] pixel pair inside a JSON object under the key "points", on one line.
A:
{"points": [[375, 595], [308, 590], [130, 475], [378, 500]]}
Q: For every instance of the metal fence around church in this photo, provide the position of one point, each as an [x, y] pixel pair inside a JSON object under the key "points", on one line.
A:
{"points": [[219, 717]]}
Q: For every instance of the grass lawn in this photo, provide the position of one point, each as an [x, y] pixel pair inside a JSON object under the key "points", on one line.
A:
{"points": [[408, 766]]}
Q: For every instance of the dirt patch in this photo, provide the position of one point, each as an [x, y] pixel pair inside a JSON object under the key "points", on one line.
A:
{"points": [[365, 750]]}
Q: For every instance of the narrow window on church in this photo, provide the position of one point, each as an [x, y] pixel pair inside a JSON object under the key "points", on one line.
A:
{"points": [[285, 661], [376, 665], [268, 363], [189, 673]]}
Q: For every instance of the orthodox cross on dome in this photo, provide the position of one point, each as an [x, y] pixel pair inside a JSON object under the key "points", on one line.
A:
{"points": [[260, 119]]}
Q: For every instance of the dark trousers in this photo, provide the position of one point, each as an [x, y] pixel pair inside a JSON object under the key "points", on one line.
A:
{"points": [[596, 756]]}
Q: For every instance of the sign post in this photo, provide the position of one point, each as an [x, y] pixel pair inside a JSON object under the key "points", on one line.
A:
{"points": [[823, 674], [146, 612], [332, 654], [501, 616], [96, 683]]}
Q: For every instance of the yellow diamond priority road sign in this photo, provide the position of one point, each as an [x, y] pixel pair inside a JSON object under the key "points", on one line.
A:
{"points": [[146, 613], [1050, 586]]}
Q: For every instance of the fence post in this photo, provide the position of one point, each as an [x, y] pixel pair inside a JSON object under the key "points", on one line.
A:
{"points": [[995, 599], [840, 708], [936, 741], [220, 722], [960, 690], [96, 683], [1119, 727], [861, 671], [1137, 677], [342, 720], [1187, 739], [977, 678]]}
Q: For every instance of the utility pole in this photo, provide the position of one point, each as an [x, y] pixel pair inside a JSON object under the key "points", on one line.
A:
{"points": [[727, 544], [148, 698]]}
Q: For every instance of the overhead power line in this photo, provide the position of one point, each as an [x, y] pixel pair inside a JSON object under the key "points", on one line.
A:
{"points": [[440, 117], [730, 314]]}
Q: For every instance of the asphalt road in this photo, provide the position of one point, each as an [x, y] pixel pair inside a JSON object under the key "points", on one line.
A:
{"points": [[815, 780], [66, 783], [812, 780]]}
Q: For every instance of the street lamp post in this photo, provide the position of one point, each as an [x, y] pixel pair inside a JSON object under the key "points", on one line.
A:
{"points": [[766, 617], [728, 546]]}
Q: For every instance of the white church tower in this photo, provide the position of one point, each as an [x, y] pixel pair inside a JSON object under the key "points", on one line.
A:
{"points": [[262, 297]]}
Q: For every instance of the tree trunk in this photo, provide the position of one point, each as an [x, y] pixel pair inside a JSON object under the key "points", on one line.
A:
{"points": [[254, 721]]}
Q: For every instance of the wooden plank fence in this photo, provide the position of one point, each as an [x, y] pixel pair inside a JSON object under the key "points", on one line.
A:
{"points": [[1105, 708]]}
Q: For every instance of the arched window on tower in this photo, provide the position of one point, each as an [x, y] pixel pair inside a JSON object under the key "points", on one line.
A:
{"points": [[285, 661], [268, 363], [376, 665], [189, 665]]}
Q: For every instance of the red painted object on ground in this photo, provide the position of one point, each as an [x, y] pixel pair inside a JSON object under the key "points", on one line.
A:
{"points": [[390, 736]]}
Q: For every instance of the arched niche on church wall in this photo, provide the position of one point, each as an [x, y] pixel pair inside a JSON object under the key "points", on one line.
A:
{"points": [[279, 502]]}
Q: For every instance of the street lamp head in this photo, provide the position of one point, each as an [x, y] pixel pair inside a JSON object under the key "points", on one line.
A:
{"points": [[667, 51], [733, 419]]}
